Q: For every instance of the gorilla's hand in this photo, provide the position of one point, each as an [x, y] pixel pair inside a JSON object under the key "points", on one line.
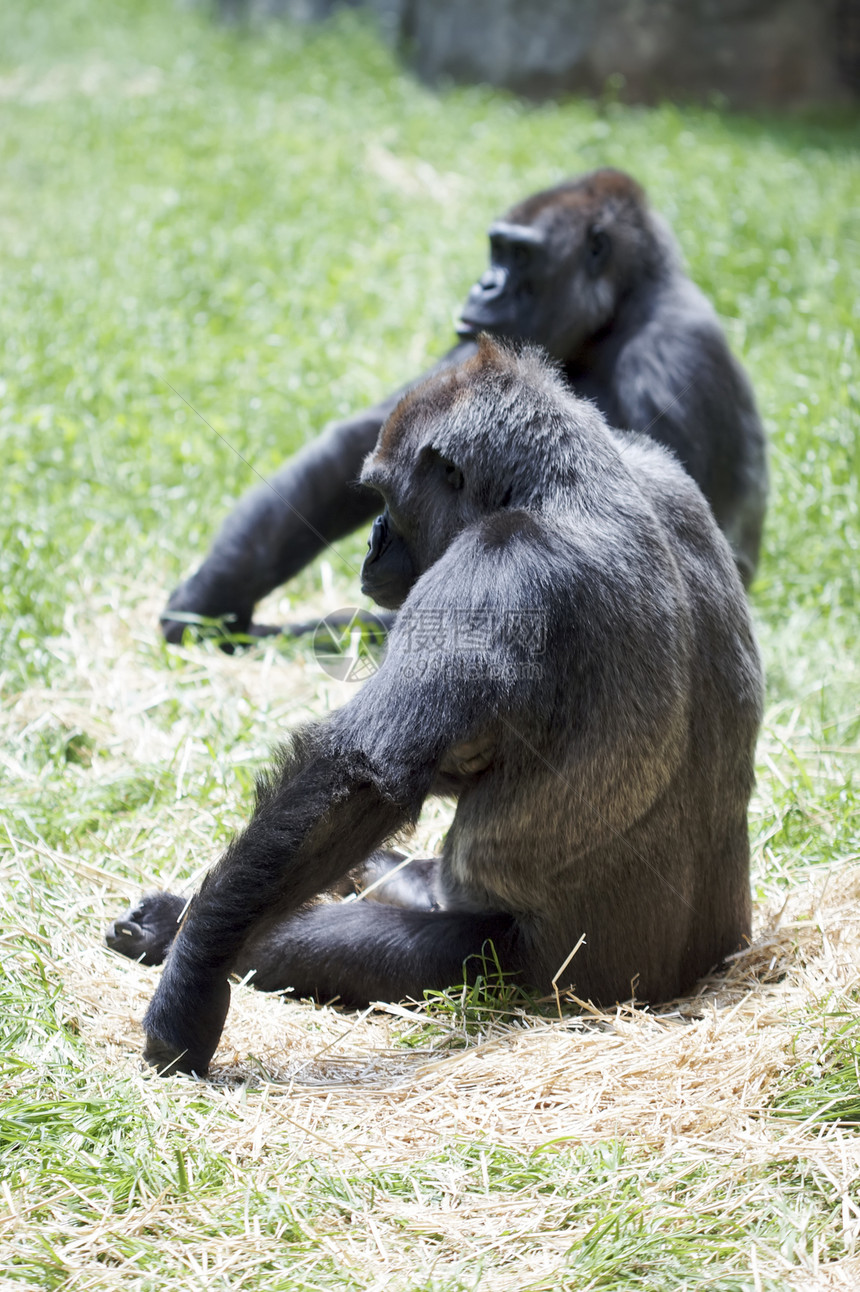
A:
{"points": [[195, 601], [182, 1033], [147, 929], [206, 614]]}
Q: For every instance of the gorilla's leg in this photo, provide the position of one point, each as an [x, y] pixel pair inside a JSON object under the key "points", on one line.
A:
{"points": [[374, 623], [147, 929], [393, 879], [358, 952]]}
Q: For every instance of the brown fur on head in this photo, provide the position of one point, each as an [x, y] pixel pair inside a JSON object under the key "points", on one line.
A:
{"points": [[439, 396], [588, 197]]}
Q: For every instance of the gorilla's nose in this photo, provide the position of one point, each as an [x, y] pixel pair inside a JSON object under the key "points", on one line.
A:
{"points": [[490, 285], [378, 540]]}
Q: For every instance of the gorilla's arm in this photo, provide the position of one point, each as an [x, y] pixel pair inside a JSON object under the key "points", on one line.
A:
{"points": [[280, 526], [313, 822], [342, 790]]}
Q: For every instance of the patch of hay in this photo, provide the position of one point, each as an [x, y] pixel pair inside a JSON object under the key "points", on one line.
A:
{"points": [[694, 1080]]}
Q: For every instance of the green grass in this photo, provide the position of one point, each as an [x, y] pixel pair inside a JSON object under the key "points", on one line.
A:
{"points": [[276, 226], [826, 1087]]}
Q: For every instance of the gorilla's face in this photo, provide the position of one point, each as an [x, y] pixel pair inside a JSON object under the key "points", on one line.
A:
{"points": [[427, 504], [559, 264], [388, 571]]}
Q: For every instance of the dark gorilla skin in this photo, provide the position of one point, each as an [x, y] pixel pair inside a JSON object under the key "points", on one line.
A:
{"points": [[590, 694], [587, 271]]}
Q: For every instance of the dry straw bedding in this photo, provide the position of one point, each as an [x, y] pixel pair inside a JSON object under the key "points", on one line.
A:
{"points": [[695, 1080]]}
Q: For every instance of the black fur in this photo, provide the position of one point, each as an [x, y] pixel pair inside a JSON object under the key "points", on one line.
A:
{"points": [[575, 662], [587, 271]]}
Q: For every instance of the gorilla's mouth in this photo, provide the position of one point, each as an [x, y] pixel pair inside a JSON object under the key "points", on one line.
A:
{"points": [[463, 327], [469, 326]]}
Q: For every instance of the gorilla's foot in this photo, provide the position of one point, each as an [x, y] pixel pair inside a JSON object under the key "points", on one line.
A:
{"points": [[146, 931]]}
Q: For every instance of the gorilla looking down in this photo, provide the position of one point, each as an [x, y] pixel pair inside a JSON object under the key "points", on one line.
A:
{"points": [[587, 271], [573, 661]]}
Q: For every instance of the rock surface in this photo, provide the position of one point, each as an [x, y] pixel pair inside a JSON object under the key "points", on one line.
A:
{"points": [[749, 53]]}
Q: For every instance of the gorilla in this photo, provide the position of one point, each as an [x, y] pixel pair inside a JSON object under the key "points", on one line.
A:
{"points": [[587, 271], [573, 661]]}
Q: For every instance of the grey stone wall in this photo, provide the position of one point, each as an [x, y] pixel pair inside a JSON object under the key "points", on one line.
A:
{"points": [[750, 52]]}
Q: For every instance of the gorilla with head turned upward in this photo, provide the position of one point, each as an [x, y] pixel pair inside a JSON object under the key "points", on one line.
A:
{"points": [[590, 695], [590, 273]]}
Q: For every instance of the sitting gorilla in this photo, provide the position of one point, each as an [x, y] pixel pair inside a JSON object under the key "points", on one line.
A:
{"points": [[590, 273], [573, 661]]}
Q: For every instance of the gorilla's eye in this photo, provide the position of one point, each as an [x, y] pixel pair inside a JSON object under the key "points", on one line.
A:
{"points": [[438, 464], [513, 253]]}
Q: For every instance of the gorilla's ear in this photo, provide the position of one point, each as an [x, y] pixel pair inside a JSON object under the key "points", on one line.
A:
{"points": [[437, 464], [453, 474], [598, 245]]}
